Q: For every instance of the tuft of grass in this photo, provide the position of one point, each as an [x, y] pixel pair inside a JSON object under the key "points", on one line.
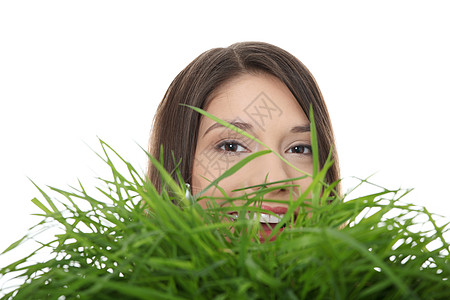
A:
{"points": [[136, 243]]}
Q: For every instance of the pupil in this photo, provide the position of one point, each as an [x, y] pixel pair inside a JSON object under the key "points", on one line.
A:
{"points": [[230, 147], [298, 149]]}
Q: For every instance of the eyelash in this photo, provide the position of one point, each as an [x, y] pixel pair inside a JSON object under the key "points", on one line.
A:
{"points": [[304, 148], [227, 143]]}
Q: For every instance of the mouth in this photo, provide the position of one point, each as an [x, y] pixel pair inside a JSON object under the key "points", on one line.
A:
{"points": [[268, 221]]}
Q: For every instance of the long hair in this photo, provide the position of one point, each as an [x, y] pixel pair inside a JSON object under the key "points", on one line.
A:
{"points": [[175, 127]]}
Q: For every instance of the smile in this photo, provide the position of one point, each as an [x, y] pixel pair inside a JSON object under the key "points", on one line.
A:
{"points": [[267, 221], [262, 217], [277, 214]]}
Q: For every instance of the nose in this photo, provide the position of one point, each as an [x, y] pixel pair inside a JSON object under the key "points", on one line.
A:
{"points": [[267, 169]]}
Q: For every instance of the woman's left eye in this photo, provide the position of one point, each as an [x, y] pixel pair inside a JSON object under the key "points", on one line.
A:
{"points": [[300, 149]]}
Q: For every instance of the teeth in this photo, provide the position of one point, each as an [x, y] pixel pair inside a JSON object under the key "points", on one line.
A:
{"points": [[263, 218], [266, 218]]}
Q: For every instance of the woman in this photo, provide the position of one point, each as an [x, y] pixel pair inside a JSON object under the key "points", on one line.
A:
{"points": [[259, 88]]}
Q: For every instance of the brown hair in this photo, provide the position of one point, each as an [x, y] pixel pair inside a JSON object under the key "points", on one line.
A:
{"points": [[175, 127]]}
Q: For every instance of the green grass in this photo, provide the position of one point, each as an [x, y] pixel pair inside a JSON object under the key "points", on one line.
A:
{"points": [[135, 243]]}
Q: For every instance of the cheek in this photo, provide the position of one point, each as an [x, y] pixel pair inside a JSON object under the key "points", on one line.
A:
{"points": [[201, 178], [208, 166], [198, 182], [301, 184], [304, 184], [305, 164]]}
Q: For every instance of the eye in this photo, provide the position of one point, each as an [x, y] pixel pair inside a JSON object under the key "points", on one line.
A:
{"points": [[300, 149], [231, 146]]}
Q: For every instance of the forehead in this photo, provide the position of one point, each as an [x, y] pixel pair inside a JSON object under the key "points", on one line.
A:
{"points": [[260, 100]]}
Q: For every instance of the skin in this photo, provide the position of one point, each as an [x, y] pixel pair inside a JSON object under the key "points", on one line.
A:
{"points": [[281, 124]]}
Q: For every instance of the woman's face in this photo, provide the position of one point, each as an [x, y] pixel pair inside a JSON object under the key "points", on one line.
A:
{"points": [[265, 108]]}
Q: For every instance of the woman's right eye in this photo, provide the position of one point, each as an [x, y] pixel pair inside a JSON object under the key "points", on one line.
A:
{"points": [[231, 146]]}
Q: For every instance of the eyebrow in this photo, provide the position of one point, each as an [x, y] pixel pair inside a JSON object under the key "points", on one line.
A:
{"points": [[249, 127], [301, 129], [240, 125]]}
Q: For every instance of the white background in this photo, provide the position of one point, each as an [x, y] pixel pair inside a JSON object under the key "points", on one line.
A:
{"points": [[72, 71]]}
